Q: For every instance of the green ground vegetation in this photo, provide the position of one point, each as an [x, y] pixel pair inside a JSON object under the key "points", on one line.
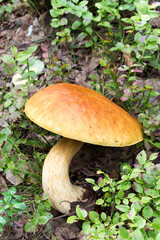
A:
{"points": [[117, 31]]}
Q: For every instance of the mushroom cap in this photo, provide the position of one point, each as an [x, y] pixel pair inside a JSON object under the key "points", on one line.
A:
{"points": [[82, 114]]}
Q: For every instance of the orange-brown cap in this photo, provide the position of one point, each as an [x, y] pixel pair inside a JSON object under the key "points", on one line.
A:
{"points": [[82, 114]]}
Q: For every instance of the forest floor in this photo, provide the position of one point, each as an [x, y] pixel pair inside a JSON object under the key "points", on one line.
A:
{"points": [[22, 29]]}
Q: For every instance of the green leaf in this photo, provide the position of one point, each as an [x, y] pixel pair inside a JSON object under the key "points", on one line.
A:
{"points": [[45, 218], [137, 206], [127, 6], [125, 167], [120, 194], [22, 56], [83, 3], [11, 165], [72, 219], [97, 18], [21, 206], [14, 50], [105, 24], [81, 213], [93, 216], [140, 222], [158, 184], [101, 183], [76, 24], [103, 216], [75, 1], [137, 235], [151, 234], [7, 103], [86, 227], [147, 212], [138, 187], [156, 144], [89, 30], [158, 237], [153, 156], [156, 226], [124, 234], [7, 147], [103, 62], [6, 131], [123, 208], [156, 223], [135, 173], [95, 188], [3, 137], [8, 59], [2, 220], [7, 198], [32, 49], [29, 227], [90, 180], [132, 214], [142, 157], [154, 5], [149, 179], [89, 44], [145, 17], [86, 19], [100, 201], [124, 185], [117, 201], [125, 201], [18, 197], [151, 192], [81, 36], [145, 199], [152, 46], [28, 74], [11, 190]]}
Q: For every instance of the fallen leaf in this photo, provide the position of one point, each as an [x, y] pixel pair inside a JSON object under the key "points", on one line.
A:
{"points": [[3, 184], [15, 179]]}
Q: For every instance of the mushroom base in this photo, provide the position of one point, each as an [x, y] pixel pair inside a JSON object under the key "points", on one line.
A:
{"points": [[55, 176]]}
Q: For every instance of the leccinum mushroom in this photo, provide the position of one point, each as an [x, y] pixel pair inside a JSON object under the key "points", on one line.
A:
{"points": [[79, 115]]}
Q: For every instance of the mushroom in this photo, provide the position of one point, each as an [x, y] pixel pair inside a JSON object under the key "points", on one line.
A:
{"points": [[80, 115]]}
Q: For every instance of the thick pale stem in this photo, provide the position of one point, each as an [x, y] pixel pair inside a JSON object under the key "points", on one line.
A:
{"points": [[55, 175]]}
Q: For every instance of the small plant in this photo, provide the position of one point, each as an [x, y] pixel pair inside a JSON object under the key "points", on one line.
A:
{"points": [[131, 39], [150, 119], [142, 40], [6, 8], [132, 203], [77, 9], [41, 215], [10, 207], [23, 68], [56, 69], [22, 63]]}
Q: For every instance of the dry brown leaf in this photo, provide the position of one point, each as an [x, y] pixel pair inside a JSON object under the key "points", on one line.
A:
{"points": [[3, 184], [128, 59], [15, 180]]}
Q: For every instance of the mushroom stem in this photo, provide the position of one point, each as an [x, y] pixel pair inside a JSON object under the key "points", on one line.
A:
{"points": [[55, 176]]}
